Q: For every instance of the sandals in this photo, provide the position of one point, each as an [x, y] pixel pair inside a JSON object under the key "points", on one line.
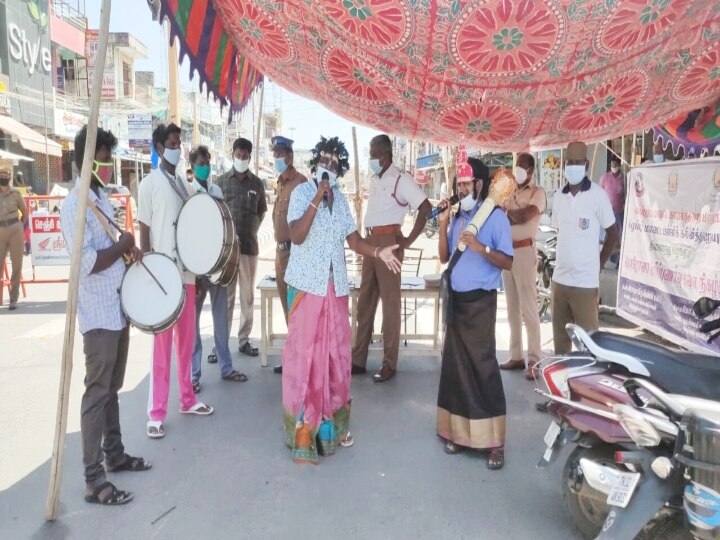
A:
{"points": [[348, 441], [249, 350], [113, 496], [200, 409], [496, 459], [235, 376], [196, 387], [452, 448], [133, 464], [155, 430], [212, 357]]}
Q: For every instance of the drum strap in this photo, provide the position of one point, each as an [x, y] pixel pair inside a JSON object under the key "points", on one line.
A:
{"points": [[106, 226], [184, 195]]}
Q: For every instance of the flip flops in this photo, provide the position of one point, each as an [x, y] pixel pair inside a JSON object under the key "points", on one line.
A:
{"points": [[200, 409]]}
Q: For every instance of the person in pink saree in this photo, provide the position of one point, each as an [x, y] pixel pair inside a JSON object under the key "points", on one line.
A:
{"points": [[316, 357]]}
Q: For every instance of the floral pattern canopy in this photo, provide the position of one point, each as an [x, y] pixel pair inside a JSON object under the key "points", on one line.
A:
{"points": [[501, 74]]}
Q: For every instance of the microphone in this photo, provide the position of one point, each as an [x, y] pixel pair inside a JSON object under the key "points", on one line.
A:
{"points": [[325, 176], [435, 212]]}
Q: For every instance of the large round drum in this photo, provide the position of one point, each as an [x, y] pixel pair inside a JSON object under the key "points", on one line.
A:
{"points": [[227, 274], [143, 301], [204, 234]]}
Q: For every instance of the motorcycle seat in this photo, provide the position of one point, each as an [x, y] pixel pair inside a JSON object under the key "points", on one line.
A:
{"points": [[677, 372]]}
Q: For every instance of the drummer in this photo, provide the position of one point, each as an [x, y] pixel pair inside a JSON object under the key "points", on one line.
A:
{"points": [[105, 332], [162, 194], [200, 162], [288, 180]]}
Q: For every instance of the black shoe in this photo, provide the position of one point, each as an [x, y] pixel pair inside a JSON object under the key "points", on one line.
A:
{"points": [[358, 370], [542, 406], [278, 369], [249, 350], [12, 307]]}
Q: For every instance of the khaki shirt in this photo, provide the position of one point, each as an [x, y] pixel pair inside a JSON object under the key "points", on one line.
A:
{"points": [[287, 182], [10, 203], [530, 195]]}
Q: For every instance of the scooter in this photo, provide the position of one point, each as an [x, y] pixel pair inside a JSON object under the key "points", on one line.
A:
{"points": [[584, 387], [432, 226]]}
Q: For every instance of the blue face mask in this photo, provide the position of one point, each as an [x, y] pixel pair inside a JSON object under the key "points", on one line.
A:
{"points": [[375, 166], [202, 172], [280, 165], [658, 158]]}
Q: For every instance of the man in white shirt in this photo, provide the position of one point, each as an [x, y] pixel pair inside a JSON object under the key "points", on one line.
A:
{"points": [[392, 193], [580, 210], [162, 194]]}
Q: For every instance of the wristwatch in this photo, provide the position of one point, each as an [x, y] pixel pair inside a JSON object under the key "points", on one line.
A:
{"points": [[487, 250]]}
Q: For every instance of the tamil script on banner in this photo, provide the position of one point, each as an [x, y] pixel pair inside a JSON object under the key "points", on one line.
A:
{"points": [[671, 249], [140, 128], [92, 43], [47, 245]]}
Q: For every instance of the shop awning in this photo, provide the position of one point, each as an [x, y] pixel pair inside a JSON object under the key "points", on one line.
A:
{"points": [[29, 138], [15, 157]]}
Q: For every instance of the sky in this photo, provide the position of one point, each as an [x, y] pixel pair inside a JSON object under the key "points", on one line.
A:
{"points": [[308, 118]]}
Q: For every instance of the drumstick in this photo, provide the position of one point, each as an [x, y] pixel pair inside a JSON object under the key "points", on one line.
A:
{"points": [[112, 222]]}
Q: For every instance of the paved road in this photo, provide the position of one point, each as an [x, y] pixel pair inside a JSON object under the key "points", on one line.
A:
{"points": [[230, 475]]}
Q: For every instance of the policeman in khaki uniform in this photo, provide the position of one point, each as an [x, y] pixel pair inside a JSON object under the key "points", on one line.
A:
{"points": [[524, 209], [12, 214], [288, 180]]}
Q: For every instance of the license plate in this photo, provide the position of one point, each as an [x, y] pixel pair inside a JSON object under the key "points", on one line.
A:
{"points": [[623, 489], [552, 434]]}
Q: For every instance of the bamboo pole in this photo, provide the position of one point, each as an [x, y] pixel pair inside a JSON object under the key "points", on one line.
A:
{"points": [[174, 109], [358, 196], [257, 132], [56, 466], [594, 160]]}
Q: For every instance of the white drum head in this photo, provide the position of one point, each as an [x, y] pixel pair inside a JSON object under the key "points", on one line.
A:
{"points": [[141, 298], [200, 234]]}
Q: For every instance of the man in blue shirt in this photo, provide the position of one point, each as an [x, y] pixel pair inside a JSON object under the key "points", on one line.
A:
{"points": [[106, 333], [471, 400]]}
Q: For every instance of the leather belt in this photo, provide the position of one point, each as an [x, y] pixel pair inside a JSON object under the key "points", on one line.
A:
{"points": [[284, 246], [382, 230], [9, 222], [527, 242]]}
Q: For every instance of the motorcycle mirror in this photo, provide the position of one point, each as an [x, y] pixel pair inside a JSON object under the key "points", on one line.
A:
{"points": [[705, 306]]}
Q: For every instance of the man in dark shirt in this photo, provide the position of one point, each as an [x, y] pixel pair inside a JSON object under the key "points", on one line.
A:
{"points": [[245, 196]]}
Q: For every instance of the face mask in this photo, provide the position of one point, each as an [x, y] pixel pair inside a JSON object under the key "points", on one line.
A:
{"points": [[520, 175], [202, 172], [574, 174], [658, 158], [103, 172], [280, 165], [4, 182], [375, 166], [467, 203], [241, 165], [615, 170], [172, 155], [332, 177]]}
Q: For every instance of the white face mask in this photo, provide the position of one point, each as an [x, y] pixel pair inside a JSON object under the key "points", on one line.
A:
{"points": [[615, 170], [467, 203], [574, 174], [332, 177], [172, 155], [375, 166], [241, 165], [521, 175]]}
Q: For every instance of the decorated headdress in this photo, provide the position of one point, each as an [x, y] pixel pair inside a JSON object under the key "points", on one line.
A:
{"points": [[331, 146]]}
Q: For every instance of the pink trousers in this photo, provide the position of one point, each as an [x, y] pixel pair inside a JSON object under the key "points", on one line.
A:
{"points": [[182, 334]]}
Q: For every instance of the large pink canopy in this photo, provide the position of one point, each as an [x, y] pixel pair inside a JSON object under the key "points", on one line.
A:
{"points": [[506, 75]]}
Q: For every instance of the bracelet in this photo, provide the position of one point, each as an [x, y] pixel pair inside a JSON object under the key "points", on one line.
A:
{"points": [[375, 253], [313, 205]]}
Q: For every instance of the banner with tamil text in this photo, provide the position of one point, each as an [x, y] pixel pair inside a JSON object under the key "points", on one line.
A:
{"points": [[671, 249]]}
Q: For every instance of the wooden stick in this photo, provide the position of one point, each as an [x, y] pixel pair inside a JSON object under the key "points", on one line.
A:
{"points": [[594, 159], [358, 195], [56, 466], [257, 133]]}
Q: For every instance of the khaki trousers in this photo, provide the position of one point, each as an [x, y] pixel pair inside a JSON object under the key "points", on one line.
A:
{"points": [[521, 296], [577, 305], [281, 263], [378, 283], [245, 282], [12, 240]]}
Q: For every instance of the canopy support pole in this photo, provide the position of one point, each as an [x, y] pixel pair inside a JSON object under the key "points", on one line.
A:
{"points": [[257, 132], [358, 196], [56, 465]]}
